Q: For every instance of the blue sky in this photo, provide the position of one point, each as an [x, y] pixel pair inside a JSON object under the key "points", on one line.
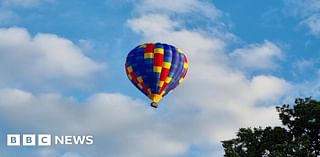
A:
{"points": [[62, 72]]}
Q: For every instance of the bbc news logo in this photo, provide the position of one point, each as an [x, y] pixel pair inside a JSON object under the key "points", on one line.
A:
{"points": [[47, 140]]}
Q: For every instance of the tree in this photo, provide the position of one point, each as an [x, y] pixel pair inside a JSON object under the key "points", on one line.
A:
{"points": [[298, 137]]}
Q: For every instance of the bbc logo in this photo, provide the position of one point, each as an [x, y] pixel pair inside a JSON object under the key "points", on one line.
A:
{"points": [[29, 140]]}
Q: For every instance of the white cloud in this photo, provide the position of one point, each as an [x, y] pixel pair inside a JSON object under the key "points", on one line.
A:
{"points": [[121, 126], [50, 152], [152, 23], [302, 8], [86, 45], [268, 87], [306, 69], [182, 13], [313, 22], [71, 154], [43, 59], [308, 88], [178, 6], [7, 16], [47, 153], [307, 11], [258, 56], [304, 64]]}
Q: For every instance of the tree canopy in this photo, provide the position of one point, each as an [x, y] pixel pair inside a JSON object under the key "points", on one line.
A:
{"points": [[298, 137]]}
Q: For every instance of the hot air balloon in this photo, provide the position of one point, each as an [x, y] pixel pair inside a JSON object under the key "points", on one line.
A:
{"points": [[156, 69]]}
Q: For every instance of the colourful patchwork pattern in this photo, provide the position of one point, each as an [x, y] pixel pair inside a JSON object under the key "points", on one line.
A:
{"points": [[156, 69]]}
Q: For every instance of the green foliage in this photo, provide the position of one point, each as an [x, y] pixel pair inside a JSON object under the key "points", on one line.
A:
{"points": [[300, 136]]}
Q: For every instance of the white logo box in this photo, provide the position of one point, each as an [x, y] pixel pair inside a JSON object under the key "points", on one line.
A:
{"points": [[28, 140]]}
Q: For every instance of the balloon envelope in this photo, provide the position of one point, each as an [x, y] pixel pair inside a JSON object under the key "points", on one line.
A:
{"points": [[156, 69]]}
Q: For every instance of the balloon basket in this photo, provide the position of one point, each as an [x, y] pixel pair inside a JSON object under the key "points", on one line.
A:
{"points": [[154, 105]]}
